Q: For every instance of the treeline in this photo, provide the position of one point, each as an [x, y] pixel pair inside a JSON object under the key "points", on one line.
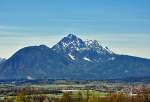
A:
{"points": [[144, 96]]}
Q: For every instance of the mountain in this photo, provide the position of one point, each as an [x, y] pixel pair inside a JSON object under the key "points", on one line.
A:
{"points": [[72, 58], [33, 61]]}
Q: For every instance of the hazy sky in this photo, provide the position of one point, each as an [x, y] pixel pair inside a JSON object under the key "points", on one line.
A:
{"points": [[122, 25]]}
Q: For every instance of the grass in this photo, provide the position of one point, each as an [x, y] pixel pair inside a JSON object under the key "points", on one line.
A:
{"points": [[56, 86], [76, 89], [93, 92]]}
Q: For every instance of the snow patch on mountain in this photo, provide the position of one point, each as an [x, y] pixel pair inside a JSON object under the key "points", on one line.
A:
{"points": [[29, 77], [71, 56], [87, 59]]}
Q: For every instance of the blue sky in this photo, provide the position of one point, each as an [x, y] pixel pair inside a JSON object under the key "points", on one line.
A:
{"points": [[122, 25]]}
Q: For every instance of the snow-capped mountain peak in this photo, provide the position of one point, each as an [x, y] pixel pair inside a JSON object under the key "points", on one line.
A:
{"points": [[69, 44], [76, 48], [71, 36]]}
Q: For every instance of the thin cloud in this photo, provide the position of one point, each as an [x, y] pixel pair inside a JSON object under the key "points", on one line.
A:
{"points": [[3, 27]]}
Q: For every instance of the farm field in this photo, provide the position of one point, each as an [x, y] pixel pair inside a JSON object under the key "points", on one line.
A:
{"points": [[72, 91]]}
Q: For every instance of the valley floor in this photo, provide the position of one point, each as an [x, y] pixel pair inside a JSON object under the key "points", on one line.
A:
{"points": [[62, 91]]}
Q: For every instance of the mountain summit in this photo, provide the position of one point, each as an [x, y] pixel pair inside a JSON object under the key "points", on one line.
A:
{"points": [[78, 49], [69, 44], [72, 58]]}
